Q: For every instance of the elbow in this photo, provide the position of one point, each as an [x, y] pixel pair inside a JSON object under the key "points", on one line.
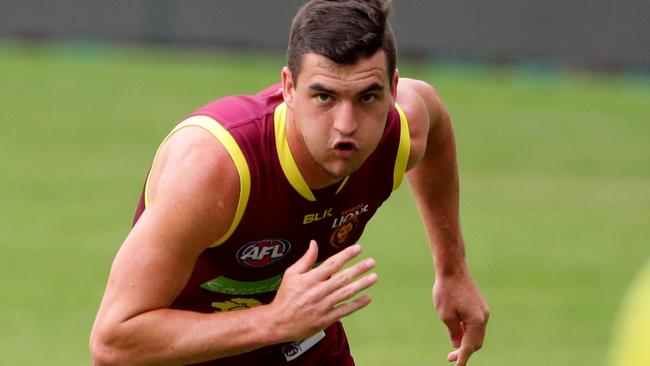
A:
{"points": [[102, 355], [104, 352]]}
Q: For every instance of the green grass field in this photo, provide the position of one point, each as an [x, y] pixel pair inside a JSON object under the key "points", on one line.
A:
{"points": [[555, 199]]}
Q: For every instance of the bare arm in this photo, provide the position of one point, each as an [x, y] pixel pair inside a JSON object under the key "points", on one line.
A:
{"points": [[135, 326], [433, 178]]}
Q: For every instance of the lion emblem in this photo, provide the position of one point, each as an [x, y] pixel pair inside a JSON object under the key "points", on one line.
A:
{"points": [[343, 232]]}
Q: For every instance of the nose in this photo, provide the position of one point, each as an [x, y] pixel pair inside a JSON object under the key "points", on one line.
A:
{"points": [[345, 121]]}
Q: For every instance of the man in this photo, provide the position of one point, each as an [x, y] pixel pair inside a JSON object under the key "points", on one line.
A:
{"points": [[254, 204]]}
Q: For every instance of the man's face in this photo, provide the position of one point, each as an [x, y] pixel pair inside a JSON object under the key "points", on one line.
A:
{"points": [[339, 110]]}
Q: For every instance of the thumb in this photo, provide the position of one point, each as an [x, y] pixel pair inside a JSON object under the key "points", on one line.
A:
{"points": [[307, 261]]}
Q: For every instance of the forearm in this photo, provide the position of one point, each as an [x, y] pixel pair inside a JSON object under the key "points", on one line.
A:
{"points": [[435, 185], [176, 337], [309, 300]]}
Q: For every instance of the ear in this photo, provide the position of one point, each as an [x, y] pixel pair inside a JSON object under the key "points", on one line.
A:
{"points": [[395, 81], [287, 86]]}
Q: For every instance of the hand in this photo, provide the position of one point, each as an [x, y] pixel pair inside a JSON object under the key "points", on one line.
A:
{"points": [[310, 299], [465, 313]]}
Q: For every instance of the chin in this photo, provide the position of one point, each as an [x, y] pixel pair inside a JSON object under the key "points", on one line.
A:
{"points": [[343, 170]]}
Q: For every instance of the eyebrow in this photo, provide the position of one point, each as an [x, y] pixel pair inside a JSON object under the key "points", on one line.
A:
{"points": [[320, 88], [373, 87]]}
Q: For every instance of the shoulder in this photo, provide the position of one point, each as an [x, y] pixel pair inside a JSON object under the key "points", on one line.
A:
{"points": [[424, 111], [194, 180]]}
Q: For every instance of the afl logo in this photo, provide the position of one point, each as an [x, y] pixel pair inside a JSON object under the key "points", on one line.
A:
{"points": [[261, 253]]}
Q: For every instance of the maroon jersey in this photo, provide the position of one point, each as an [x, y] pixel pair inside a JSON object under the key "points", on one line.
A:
{"points": [[277, 216]]}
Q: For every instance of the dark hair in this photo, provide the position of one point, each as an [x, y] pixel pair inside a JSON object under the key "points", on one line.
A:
{"points": [[343, 31]]}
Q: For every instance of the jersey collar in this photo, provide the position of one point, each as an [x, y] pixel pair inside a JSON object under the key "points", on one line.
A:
{"points": [[287, 162]]}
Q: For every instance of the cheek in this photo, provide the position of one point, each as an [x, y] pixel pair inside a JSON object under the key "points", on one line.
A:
{"points": [[376, 123], [313, 127]]}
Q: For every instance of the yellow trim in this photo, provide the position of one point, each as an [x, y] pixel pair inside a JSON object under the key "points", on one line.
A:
{"points": [[404, 149], [226, 139], [345, 180], [287, 162]]}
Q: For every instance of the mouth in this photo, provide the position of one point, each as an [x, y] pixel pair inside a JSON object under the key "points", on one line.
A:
{"points": [[345, 148]]}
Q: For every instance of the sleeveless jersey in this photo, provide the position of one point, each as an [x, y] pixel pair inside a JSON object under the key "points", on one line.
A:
{"points": [[278, 214]]}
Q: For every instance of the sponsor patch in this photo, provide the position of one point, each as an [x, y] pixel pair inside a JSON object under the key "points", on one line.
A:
{"points": [[229, 286], [236, 304], [294, 350], [262, 253]]}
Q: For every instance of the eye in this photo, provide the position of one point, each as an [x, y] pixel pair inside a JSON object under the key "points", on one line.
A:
{"points": [[323, 98], [368, 98]]}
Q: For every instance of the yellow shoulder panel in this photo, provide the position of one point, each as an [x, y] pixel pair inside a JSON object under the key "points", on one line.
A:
{"points": [[404, 149], [287, 162], [226, 139]]}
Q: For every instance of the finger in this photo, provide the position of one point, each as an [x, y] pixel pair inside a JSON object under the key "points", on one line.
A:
{"points": [[350, 307], [306, 262], [472, 341], [463, 356], [452, 356], [334, 263], [348, 275], [353, 288], [455, 328]]}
